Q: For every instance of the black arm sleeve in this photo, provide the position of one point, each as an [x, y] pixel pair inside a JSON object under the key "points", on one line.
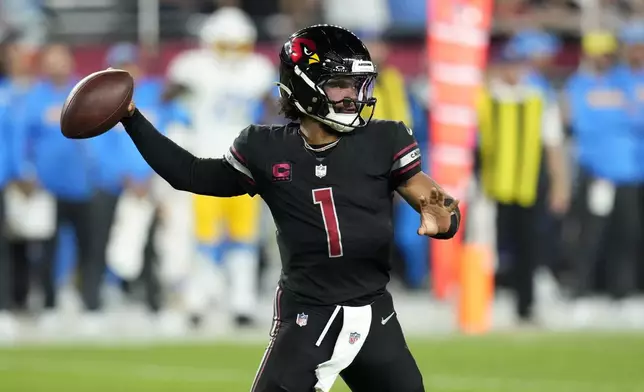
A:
{"points": [[181, 169], [455, 223]]}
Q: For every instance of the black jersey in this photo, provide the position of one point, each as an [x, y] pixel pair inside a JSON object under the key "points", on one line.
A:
{"points": [[332, 209]]}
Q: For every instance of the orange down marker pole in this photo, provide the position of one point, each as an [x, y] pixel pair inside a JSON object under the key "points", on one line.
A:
{"points": [[457, 39]]}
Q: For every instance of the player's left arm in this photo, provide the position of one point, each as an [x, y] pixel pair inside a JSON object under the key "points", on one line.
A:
{"points": [[439, 212]]}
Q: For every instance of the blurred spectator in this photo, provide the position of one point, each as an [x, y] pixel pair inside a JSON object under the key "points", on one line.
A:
{"points": [[632, 38], [610, 172], [62, 167], [17, 61], [8, 155], [125, 208], [540, 48], [522, 167], [224, 83]]}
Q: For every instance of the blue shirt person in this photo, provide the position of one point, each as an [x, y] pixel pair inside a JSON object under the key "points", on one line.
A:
{"points": [[596, 97]]}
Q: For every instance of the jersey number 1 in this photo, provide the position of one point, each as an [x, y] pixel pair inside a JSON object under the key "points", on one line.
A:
{"points": [[324, 198]]}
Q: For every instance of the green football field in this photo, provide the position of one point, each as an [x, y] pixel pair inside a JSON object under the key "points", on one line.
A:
{"points": [[494, 363]]}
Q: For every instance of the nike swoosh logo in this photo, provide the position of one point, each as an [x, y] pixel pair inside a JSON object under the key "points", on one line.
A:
{"points": [[385, 320]]}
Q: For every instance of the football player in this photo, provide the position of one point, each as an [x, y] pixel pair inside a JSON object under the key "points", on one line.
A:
{"points": [[224, 83], [328, 178]]}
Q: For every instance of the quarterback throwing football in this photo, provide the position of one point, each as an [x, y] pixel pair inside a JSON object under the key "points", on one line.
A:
{"points": [[328, 178]]}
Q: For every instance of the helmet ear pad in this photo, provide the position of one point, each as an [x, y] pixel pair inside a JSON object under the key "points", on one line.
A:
{"points": [[308, 100], [316, 102]]}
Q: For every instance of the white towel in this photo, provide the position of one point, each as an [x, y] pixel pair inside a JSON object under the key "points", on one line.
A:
{"points": [[30, 217], [355, 329], [601, 197], [129, 234], [175, 242]]}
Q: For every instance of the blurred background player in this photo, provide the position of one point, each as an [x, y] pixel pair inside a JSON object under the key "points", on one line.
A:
{"points": [[30, 213], [522, 169], [130, 209], [62, 167], [10, 273], [608, 200], [18, 68], [224, 83], [540, 49]]}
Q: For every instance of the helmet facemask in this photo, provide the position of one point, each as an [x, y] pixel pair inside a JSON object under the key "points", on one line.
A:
{"points": [[342, 100], [347, 97]]}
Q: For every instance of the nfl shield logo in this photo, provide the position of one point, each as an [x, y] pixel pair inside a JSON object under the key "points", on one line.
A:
{"points": [[354, 337], [302, 319], [320, 171]]}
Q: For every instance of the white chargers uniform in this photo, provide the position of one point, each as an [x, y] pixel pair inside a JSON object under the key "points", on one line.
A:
{"points": [[223, 98]]}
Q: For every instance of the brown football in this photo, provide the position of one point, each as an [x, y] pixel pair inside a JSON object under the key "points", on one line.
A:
{"points": [[96, 104]]}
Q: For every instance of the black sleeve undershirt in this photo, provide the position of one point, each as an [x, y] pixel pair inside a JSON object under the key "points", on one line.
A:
{"points": [[181, 169]]}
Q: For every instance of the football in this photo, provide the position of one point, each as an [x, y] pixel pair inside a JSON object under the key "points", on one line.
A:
{"points": [[96, 104]]}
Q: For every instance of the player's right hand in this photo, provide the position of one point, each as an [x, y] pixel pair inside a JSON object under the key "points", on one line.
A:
{"points": [[435, 216]]}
